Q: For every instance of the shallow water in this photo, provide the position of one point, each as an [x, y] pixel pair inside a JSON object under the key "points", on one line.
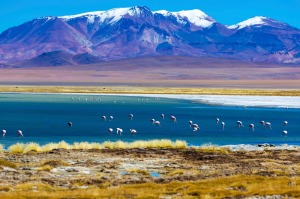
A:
{"points": [[44, 118]]}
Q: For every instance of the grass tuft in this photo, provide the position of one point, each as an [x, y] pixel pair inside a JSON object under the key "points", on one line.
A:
{"points": [[16, 148], [49, 147], [7, 163], [179, 144], [55, 163], [63, 145], [95, 145], [4, 188], [45, 168], [176, 172], [164, 143], [31, 147], [210, 148], [139, 171]]}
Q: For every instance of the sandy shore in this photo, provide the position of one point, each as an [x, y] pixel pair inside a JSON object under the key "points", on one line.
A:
{"points": [[148, 90], [233, 100], [152, 173]]}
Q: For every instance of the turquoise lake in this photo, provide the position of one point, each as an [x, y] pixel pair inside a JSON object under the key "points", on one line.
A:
{"points": [[44, 118]]}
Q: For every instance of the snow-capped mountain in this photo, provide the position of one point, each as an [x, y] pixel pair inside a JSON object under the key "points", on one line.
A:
{"points": [[110, 16], [195, 17], [259, 21], [133, 32]]}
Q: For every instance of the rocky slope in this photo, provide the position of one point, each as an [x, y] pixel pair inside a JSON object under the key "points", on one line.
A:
{"points": [[137, 31]]}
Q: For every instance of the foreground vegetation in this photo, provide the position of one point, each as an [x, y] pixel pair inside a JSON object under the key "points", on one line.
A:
{"points": [[146, 169], [150, 90], [234, 186], [34, 147]]}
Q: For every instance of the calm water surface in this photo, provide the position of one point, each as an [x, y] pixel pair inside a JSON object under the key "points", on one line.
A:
{"points": [[44, 118]]}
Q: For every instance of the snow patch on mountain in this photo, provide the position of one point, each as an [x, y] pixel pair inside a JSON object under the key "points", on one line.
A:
{"points": [[196, 17], [109, 16], [254, 21]]}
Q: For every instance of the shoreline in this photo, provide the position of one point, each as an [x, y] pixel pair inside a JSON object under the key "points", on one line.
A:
{"points": [[149, 90], [217, 100]]}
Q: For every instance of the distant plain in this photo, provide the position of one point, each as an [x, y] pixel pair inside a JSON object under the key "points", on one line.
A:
{"points": [[165, 71]]}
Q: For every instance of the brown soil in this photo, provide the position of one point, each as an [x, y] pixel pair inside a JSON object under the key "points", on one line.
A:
{"points": [[76, 168]]}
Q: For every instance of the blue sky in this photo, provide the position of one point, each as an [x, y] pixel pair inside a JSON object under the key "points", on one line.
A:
{"points": [[15, 12]]}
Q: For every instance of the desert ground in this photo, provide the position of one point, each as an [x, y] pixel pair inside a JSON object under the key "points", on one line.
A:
{"points": [[159, 72]]}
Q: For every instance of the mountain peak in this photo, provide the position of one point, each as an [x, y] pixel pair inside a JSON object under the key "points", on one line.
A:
{"points": [[136, 31], [196, 17], [110, 16], [257, 21]]}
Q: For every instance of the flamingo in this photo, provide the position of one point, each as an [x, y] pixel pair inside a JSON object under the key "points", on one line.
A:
{"points": [[285, 123], [223, 125], [110, 130], [217, 120], [111, 118], [162, 116], [173, 118], [268, 125], [20, 133], [152, 120], [157, 123], [251, 126], [195, 127], [3, 132], [103, 118], [239, 124], [119, 131], [70, 124], [284, 133], [132, 131], [130, 116], [262, 123]]}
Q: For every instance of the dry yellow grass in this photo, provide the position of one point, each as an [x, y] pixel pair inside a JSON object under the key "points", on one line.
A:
{"points": [[16, 148], [176, 172], [63, 145], [31, 147], [45, 168], [55, 163], [139, 171], [1, 148], [34, 147], [150, 90], [80, 145], [7, 163], [235, 186], [213, 149]]}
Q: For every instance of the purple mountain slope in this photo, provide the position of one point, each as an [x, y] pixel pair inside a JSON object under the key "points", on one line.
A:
{"points": [[137, 31]]}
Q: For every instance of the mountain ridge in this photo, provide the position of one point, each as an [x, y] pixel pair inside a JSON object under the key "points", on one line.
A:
{"points": [[137, 31]]}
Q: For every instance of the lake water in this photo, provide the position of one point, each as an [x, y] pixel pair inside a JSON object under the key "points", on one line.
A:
{"points": [[44, 118]]}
